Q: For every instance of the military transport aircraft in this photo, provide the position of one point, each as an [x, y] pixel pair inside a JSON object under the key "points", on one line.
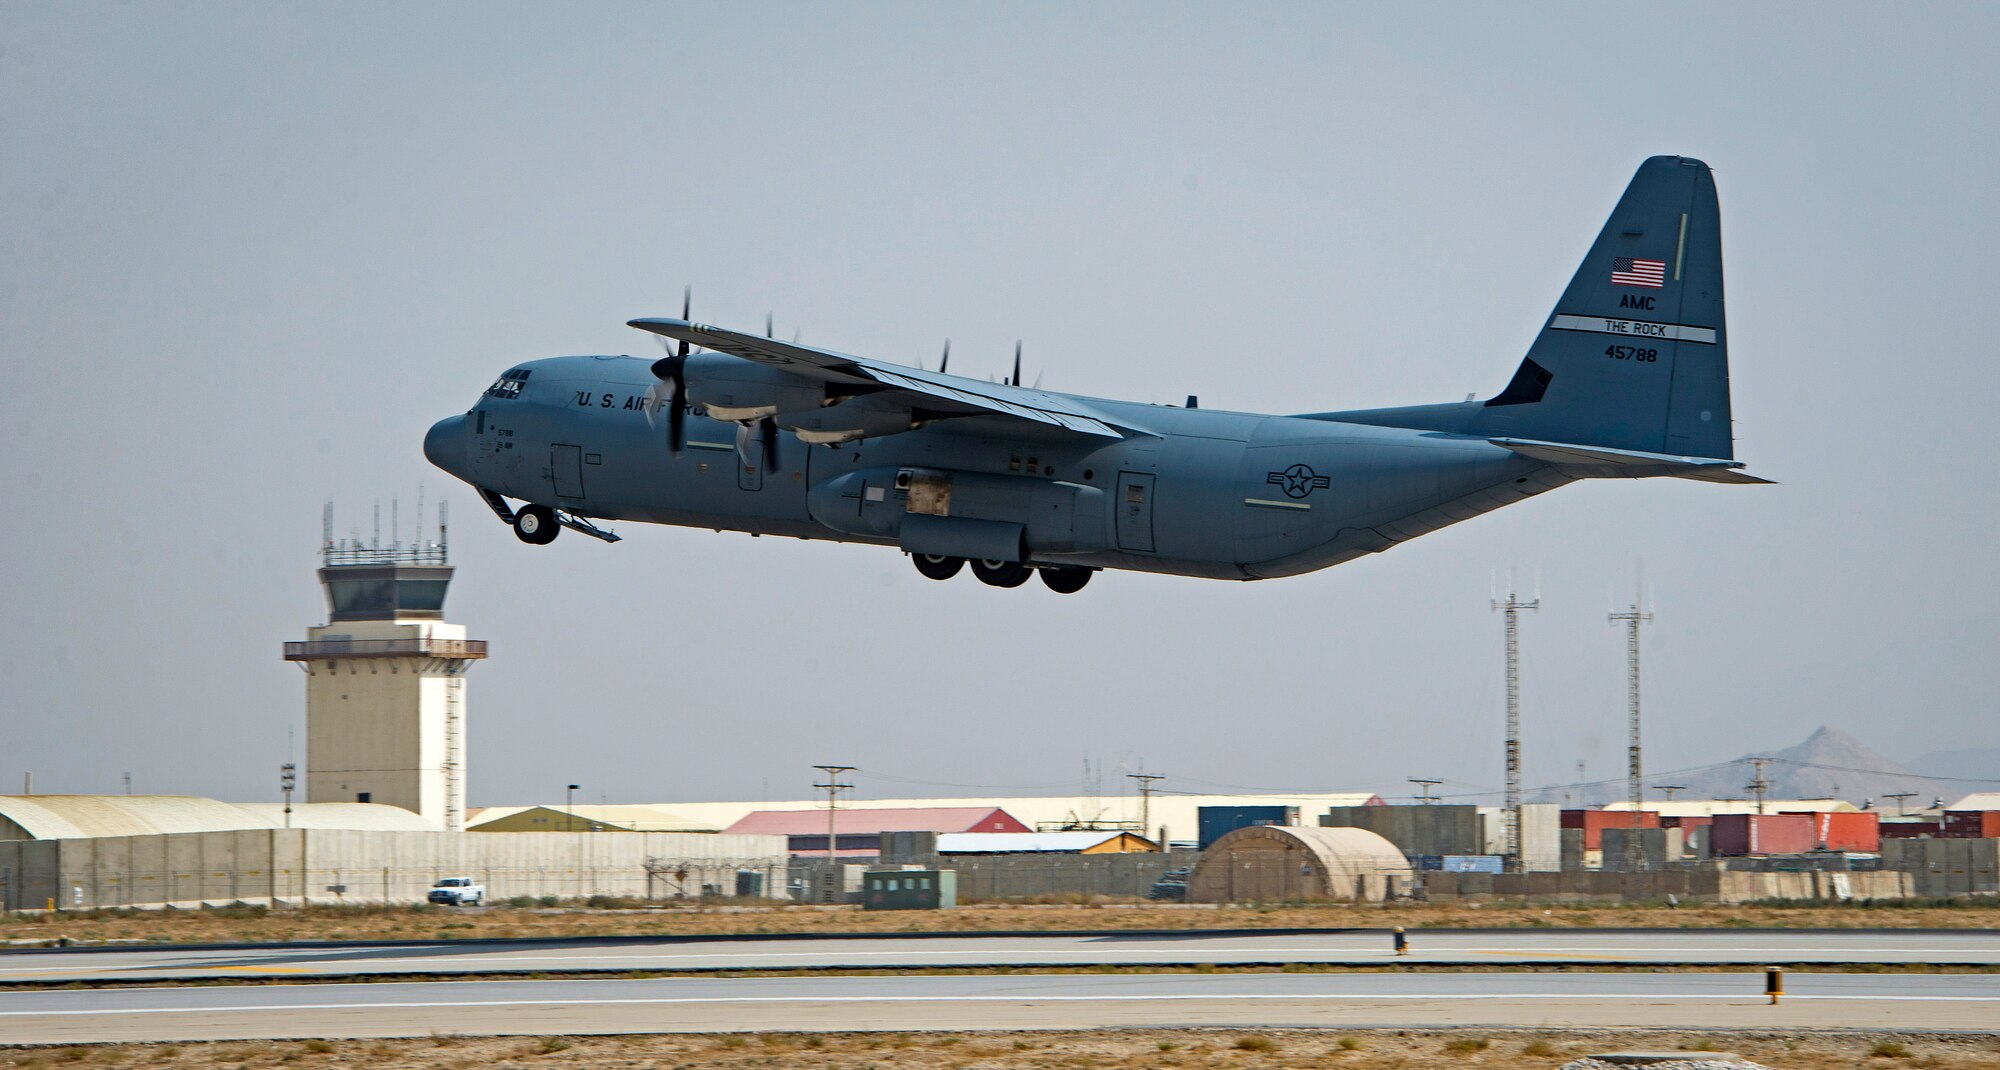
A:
{"points": [[1629, 377]]}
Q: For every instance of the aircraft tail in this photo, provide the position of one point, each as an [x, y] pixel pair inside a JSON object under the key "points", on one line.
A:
{"points": [[1636, 355]]}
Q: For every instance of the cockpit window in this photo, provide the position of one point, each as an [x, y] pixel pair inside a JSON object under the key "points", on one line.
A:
{"points": [[508, 386]]}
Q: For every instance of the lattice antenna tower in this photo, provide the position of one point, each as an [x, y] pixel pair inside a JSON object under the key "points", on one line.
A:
{"points": [[1511, 607], [1634, 765]]}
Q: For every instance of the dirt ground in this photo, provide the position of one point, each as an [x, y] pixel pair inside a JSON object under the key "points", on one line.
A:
{"points": [[256, 924], [1107, 1050]]}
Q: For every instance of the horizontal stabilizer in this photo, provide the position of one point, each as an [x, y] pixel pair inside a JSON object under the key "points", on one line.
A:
{"points": [[1605, 463]]}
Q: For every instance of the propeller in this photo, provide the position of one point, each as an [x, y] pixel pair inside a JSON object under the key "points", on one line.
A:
{"points": [[766, 433], [944, 362], [1016, 380], [669, 389]]}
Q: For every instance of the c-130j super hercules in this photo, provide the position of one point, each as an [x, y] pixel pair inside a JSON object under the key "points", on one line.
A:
{"points": [[1629, 377]]}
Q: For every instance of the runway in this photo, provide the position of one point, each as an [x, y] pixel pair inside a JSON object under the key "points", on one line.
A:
{"points": [[1694, 947], [1066, 1001]]}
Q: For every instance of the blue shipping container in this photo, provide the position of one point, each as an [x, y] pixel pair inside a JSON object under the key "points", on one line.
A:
{"points": [[1215, 822], [1472, 864]]}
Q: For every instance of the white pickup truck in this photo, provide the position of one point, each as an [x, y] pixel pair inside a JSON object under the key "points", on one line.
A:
{"points": [[457, 892]]}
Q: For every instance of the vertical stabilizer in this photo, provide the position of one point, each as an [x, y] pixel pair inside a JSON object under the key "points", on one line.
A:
{"points": [[1635, 356]]}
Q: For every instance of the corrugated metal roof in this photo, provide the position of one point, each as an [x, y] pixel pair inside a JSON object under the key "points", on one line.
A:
{"points": [[996, 843], [860, 822], [622, 817], [1177, 812], [1711, 807], [63, 817]]}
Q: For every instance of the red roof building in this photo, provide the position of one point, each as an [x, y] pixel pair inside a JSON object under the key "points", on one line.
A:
{"points": [[859, 831]]}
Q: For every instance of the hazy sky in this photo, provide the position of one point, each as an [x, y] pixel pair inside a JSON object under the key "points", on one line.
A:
{"points": [[249, 252]]}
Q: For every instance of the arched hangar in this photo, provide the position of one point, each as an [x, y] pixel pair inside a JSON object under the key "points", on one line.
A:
{"points": [[1278, 862]]}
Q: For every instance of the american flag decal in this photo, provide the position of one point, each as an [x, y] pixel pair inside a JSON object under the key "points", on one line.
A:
{"points": [[1628, 271]]}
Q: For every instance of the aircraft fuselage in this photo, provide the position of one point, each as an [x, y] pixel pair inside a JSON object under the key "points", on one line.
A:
{"points": [[1208, 493]]}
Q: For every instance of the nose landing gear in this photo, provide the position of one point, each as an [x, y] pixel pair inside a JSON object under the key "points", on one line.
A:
{"points": [[536, 525]]}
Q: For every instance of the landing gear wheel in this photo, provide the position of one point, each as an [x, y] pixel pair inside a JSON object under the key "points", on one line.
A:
{"points": [[1065, 580], [536, 524], [938, 566], [1001, 573]]}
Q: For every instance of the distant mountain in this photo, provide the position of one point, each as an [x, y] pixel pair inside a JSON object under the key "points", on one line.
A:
{"points": [[1830, 764]]}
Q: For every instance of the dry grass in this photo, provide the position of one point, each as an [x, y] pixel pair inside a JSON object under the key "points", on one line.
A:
{"points": [[1106, 1050], [257, 925]]}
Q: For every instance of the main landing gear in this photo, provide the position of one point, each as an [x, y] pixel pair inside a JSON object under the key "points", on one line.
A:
{"points": [[1062, 579]]}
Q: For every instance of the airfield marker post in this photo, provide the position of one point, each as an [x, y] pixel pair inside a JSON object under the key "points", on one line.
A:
{"points": [[1774, 983]]}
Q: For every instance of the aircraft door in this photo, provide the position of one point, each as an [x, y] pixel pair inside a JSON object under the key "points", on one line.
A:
{"points": [[566, 466], [750, 465], [1135, 511]]}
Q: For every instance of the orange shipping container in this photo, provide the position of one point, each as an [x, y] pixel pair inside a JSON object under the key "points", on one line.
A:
{"points": [[1846, 831]]}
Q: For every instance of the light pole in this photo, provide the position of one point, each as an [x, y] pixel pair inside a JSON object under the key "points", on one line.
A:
{"points": [[569, 808], [288, 778]]}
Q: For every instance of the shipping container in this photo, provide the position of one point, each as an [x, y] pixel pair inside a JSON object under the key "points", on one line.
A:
{"points": [[1735, 835], [1594, 822], [1691, 821], [1910, 830], [1215, 822], [1845, 830], [1972, 824]]}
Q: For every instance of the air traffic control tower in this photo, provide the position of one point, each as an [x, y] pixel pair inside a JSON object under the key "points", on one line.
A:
{"points": [[385, 679]]}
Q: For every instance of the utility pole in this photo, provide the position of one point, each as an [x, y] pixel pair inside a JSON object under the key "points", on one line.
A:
{"points": [[1899, 796], [1424, 787], [833, 787], [1759, 785], [128, 783], [288, 778], [1512, 608], [1670, 789], [1146, 800], [1635, 856]]}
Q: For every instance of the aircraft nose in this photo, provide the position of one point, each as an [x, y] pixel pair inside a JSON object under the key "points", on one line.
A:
{"points": [[444, 445]]}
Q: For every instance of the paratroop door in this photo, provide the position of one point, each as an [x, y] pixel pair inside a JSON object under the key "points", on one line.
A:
{"points": [[1135, 511]]}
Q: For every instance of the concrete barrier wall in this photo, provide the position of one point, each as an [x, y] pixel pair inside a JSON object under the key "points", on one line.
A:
{"points": [[1943, 868], [342, 866], [1693, 886], [1030, 877]]}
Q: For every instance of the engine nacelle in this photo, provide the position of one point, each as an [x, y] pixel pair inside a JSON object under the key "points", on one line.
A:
{"points": [[964, 514], [729, 388]]}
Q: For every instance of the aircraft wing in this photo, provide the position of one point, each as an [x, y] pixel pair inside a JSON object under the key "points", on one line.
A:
{"points": [[949, 394], [1601, 462]]}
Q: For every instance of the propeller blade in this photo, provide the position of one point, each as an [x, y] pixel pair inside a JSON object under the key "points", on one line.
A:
{"points": [[687, 310], [768, 428], [669, 391], [944, 362], [1016, 380], [767, 325]]}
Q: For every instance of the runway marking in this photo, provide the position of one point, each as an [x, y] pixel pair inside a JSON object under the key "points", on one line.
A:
{"points": [[1380, 997]]}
